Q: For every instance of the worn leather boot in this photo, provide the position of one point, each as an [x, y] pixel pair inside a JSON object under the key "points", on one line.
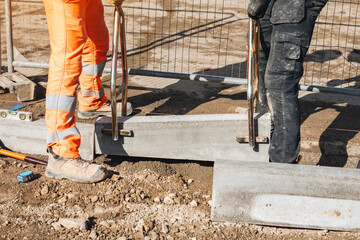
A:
{"points": [[75, 169], [104, 110]]}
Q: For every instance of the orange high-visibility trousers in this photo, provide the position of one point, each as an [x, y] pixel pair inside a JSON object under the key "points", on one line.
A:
{"points": [[79, 42]]}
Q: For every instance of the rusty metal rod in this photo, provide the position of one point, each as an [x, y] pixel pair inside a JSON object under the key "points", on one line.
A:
{"points": [[113, 95], [119, 32], [125, 72], [252, 77]]}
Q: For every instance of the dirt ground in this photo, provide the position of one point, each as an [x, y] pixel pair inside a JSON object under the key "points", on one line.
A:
{"points": [[167, 199], [164, 199]]}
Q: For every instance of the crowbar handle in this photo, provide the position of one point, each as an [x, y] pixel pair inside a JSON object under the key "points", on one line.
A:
{"points": [[252, 76], [22, 157], [118, 33]]}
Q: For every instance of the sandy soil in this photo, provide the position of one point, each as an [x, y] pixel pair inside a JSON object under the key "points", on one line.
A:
{"points": [[164, 199]]}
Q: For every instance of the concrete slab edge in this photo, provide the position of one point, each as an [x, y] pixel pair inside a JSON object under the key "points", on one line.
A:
{"points": [[286, 195], [30, 137]]}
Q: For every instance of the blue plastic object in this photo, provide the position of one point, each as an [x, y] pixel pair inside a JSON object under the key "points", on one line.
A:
{"points": [[16, 107], [25, 176]]}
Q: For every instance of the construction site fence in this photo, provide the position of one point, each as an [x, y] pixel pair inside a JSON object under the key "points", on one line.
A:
{"points": [[201, 40]]}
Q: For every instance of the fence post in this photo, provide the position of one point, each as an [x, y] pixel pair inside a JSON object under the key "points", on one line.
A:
{"points": [[9, 36]]}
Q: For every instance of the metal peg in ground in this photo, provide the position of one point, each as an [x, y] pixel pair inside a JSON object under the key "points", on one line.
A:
{"points": [[22, 157]]}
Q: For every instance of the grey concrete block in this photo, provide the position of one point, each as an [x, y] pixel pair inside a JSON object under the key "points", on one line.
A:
{"points": [[18, 84], [30, 137], [189, 137], [286, 195]]}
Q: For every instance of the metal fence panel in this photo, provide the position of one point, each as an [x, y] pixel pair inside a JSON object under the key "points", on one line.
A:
{"points": [[203, 36]]}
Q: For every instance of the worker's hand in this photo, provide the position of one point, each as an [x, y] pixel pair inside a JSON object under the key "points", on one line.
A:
{"points": [[257, 8], [115, 3]]}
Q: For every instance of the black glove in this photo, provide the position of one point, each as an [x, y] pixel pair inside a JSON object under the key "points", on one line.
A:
{"points": [[257, 8]]}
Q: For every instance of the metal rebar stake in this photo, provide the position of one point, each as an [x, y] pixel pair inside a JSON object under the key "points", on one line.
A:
{"points": [[113, 95], [119, 33], [125, 72], [252, 77]]}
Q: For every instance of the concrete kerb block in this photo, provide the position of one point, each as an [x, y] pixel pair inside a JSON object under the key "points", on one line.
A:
{"points": [[286, 195], [207, 137], [18, 84], [30, 137]]}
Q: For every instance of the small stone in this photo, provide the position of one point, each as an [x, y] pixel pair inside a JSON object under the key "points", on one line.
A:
{"points": [[122, 238], [44, 190], [6, 223], [168, 200], [62, 200], [153, 235], [71, 195], [107, 223], [93, 234], [169, 238], [147, 238], [138, 235], [72, 223], [182, 228], [115, 177], [157, 200], [175, 229], [3, 162], [56, 226], [94, 199], [132, 191], [193, 203], [172, 195], [190, 181], [164, 228], [209, 202], [148, 225], [323, 233]]}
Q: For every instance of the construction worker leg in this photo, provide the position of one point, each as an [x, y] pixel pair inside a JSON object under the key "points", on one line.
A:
{"points": [[289, 44], [67, 37], [264, 51], [92, 94]]}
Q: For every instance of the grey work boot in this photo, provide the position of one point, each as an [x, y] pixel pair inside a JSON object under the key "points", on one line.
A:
{"points": [[75, 169], [104, 110]]}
